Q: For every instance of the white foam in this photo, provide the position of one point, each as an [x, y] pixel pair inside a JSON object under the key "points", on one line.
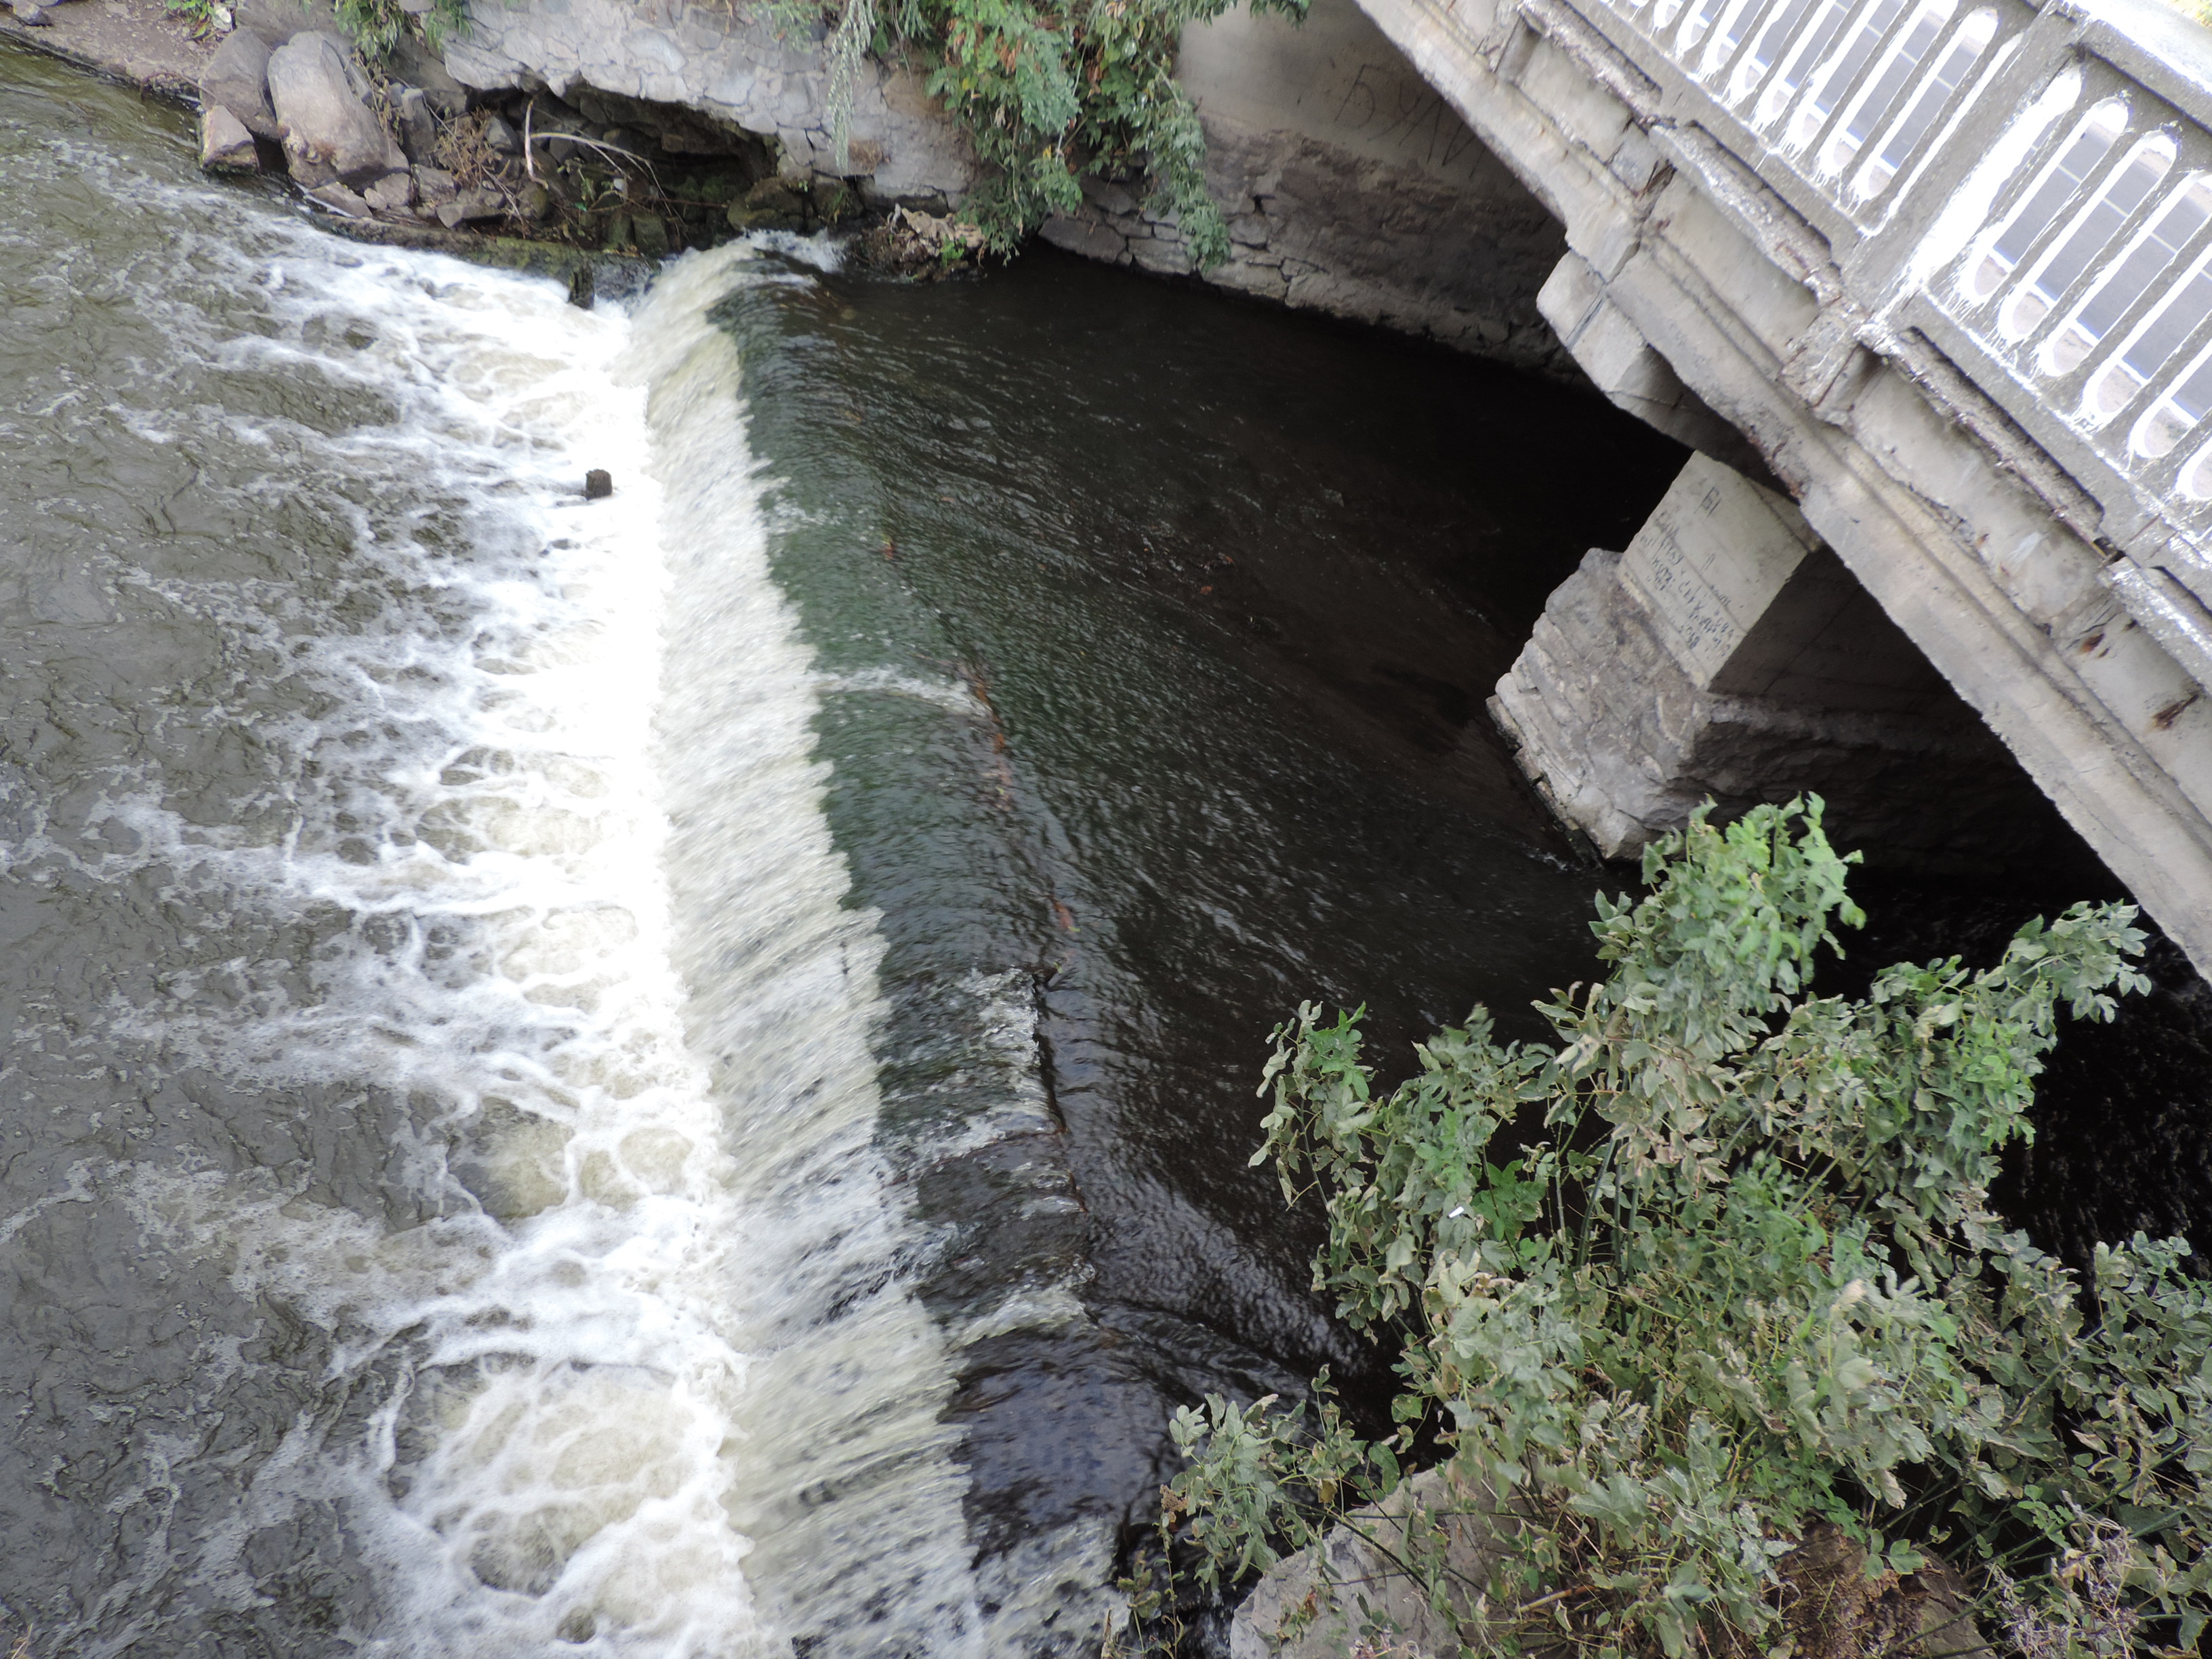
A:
{"points": [[822, 249], [954, 696], [848, 1484]]}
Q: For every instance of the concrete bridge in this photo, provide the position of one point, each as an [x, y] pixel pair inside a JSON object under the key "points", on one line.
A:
{"points": [[1929, 285]]}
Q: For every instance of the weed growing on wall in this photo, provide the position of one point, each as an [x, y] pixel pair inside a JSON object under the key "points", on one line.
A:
{"points": [[1743, 1289], [375, 26], [1048, 94]]}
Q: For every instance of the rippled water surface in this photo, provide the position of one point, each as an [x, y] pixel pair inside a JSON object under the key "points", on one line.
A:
{"points": [[673, 1076]]}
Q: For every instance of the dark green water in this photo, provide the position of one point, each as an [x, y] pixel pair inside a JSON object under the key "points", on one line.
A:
{"points": [[674, 1076]]}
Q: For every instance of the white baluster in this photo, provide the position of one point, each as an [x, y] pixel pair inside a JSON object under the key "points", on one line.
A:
{"points": [[1699, 19], [1892, 73], [2113, 203], [1778, 30], [2168, 421], [2081, 154], [1737, 24], [2196, 480], [1833, 79], [2155, 250], [1929, 100]]}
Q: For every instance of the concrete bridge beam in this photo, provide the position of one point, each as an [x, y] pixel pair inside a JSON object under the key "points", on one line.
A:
{"points": [[1620, 362]]}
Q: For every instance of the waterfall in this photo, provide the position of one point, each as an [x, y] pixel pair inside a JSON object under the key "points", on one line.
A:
{"points": [[845, 1479]]}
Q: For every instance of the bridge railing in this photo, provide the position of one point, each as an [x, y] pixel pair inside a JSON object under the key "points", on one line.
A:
{"points": [[2030, 189], [1845, 95]]}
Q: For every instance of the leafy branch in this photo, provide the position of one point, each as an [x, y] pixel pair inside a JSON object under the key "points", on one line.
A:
{"points": [[375, 26]]}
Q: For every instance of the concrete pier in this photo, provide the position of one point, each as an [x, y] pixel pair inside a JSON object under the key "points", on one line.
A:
{"points": [[1728, 653]]}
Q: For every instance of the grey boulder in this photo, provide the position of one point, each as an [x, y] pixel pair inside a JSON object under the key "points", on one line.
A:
{"points": [[225, 144], [418, 132], [433, 188], [415, 64], [277, 20], [330, 133], [339, 199], [391, 195], [471, 204], [1320, 1603], [237, 78]]}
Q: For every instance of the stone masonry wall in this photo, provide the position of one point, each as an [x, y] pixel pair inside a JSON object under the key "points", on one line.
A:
{"points": [[1350, 188], [726, 62]]}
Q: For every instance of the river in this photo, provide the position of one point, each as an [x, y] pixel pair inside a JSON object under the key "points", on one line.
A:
{"points": [[672, 1075]]}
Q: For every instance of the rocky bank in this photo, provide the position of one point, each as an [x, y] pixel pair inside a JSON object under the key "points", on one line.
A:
{"points": [[403, 141]]}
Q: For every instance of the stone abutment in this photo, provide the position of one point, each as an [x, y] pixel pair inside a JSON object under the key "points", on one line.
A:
{"points": [[1728, 654]]}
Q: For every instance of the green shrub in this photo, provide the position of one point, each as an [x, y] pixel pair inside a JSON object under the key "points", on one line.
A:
{"points": [[1749, 1282], [1049, 95]]}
